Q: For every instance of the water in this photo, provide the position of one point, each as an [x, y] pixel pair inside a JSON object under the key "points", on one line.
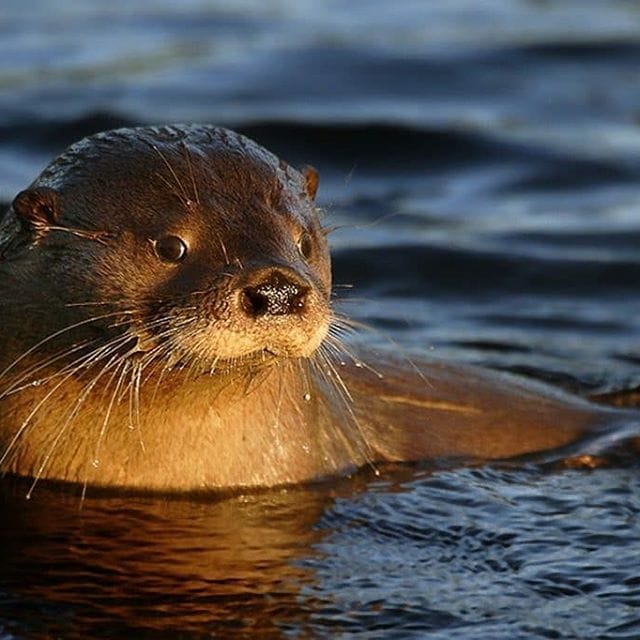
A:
{"points": [[481, 161]]}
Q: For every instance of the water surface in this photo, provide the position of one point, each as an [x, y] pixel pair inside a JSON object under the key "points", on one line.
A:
{"points": [[481, 160]]}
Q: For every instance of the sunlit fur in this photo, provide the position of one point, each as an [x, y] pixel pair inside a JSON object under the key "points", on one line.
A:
{"points": [[122, 369], [80, 381]]}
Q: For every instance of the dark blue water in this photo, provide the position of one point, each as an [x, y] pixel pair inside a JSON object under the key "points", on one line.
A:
{"points": [[481, 161]]}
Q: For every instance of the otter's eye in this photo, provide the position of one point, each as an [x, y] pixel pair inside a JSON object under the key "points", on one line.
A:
{"points": [[170, 248], [305, 245]]}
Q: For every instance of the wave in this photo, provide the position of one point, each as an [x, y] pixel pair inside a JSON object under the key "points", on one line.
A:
{"points": [[378, 147], [435, 270]]}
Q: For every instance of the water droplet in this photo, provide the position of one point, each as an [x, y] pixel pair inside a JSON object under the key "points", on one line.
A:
{"points": [[36, 383], [130, 427], [343, 363], [358, 364], [307, 397], [96, 463]]}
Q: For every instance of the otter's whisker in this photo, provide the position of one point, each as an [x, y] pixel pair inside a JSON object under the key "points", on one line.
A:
{"points": [[28, 420], [120, 372], [344, 393], [173, 173], [27, 379], [72, 413], [134, 402], [67, 373], [69, 370], [121, 366], [45, 364], [53, 336], [355, 324], [340, 349], [339, 428], [187, 155]]}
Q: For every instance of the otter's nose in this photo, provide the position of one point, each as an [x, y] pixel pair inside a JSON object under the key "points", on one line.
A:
{"points": [[275, 295]]}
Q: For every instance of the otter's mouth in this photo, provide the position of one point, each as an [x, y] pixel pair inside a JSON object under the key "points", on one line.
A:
{"points": [[215, 348], [177, 359]]}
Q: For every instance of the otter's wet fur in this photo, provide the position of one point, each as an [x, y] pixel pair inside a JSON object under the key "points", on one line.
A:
{"points": [[166, 324]]}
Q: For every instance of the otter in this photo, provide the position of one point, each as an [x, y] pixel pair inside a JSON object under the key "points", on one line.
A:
{"points": [[167, 325]]}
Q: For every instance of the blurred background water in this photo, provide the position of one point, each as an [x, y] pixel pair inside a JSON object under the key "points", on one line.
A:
{"points": [[481, 161]]}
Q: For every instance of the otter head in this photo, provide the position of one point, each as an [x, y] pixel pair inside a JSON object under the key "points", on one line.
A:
{"points": [[190, 243]]}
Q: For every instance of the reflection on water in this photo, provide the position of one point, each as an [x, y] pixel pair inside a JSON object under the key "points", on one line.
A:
{"points": [[481, 162], [468, 552], [126, 564]]}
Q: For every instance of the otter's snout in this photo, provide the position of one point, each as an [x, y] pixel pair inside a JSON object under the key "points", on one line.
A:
{"points": [[275, 294]]}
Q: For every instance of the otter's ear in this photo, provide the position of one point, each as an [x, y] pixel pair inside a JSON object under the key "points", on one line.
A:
{"points": [[38, 207], [311, 180]]}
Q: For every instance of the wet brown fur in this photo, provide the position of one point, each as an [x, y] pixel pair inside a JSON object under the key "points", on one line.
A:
{"points": [[121, 370]]}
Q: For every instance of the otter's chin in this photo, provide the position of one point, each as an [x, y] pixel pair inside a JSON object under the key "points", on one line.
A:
{"points": [[295, 344], [299, 348]]}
